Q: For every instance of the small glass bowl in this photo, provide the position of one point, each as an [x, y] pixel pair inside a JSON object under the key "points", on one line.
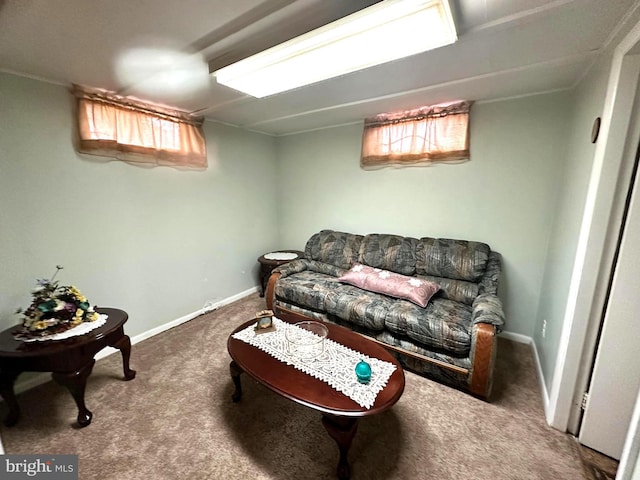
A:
{"points": [[307, 341]]}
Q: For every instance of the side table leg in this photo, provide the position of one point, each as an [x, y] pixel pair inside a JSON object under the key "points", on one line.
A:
{"points": [[124, 345], [7, 380], [76, 383], [236, 371], [263, 282], [342, 430]]}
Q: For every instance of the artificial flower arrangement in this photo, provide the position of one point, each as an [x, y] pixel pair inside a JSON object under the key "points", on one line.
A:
{"points": [[55, 308]]}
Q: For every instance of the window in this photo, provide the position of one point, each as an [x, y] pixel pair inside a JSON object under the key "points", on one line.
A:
{"points": [[135, 132], [426, 135]]}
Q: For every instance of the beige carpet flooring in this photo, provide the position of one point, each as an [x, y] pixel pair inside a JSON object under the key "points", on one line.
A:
{"points": [[596, 465], [176, 421]]}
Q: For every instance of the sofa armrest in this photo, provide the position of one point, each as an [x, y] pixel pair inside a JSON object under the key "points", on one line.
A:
{"points": [[302, 264], [484, 345], [285, 270], [270, 294], [292, 267], [297, 266], [489, 281], [487, 308], [487, 320]]}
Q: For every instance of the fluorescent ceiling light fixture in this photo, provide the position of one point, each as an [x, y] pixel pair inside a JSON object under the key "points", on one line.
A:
{"points": [[386, 31]]}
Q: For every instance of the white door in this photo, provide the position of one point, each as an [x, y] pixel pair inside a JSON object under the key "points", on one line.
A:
{"points": [[616, 373]]}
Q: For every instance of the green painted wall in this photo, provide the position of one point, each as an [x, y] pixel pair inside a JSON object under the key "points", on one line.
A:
{"points": [[504, 196], [588, 102], [156, 242]]}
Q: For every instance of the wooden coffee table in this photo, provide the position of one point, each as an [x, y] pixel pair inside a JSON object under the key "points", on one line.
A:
{"points": [[340, 413], [70, 360]]}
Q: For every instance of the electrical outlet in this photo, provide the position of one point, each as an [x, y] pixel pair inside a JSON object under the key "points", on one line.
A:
{"points": [[209, 306], [544, 328]]}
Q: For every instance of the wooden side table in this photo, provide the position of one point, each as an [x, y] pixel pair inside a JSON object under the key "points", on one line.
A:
{"points": [[70, 360], [268, 264]]}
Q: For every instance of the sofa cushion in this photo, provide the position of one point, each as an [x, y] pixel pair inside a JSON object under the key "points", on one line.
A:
{"points": [[389, 252], [306, 288], [337, 248], [407, 344], [443, 324], [360, 307], [390, 283], [323, 293], [457, 259]]}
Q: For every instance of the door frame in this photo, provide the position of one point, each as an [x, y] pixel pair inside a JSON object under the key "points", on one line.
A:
{"points": [[594, 254], [600, 427], [629, 466], [614, 232]]}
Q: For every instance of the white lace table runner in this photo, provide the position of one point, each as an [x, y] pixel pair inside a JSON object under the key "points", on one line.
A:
{"points": [[81, 329], [335, 366]]}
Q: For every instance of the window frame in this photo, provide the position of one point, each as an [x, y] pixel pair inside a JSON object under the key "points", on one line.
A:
{"points": [[132, 131], [428, 135]]}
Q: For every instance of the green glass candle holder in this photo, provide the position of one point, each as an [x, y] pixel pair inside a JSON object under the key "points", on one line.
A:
{"points": [[363, 371]]}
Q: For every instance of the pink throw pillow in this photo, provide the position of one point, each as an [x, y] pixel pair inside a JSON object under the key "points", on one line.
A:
{"points": [[389, 283]]}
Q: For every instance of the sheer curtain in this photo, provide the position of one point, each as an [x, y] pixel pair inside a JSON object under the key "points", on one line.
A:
{"points": [[135, 132], [426, 135]]}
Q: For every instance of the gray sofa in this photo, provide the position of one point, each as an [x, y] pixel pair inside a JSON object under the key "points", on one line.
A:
{"points": [[452, 338]]}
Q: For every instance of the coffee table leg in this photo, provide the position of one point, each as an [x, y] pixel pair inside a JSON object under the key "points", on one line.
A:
{"points": [[76, 383], [6, 391], [236, 371], [342, 430], [124, 345]]}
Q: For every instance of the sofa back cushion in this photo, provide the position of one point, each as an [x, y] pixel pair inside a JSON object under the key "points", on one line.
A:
{"points": [[389, 252], [336, 248], [457, 259]]}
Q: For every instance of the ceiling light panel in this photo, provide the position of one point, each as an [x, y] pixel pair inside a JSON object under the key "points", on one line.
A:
{"points": [[386, 31]]}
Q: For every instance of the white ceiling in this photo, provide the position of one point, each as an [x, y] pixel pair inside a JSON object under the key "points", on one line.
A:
{"points": [[158, 50]]}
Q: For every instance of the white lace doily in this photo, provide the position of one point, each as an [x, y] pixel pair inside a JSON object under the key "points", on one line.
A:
{"points": [[280, 256], [81, 329], [335, 366]]}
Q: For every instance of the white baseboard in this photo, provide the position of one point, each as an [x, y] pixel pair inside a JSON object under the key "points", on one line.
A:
{"points": [[40, 378], [179, 321], [543, 385], [517, 337]]}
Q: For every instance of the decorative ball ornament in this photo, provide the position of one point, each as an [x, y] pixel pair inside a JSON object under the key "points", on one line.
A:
{"points": [[363, 372]]}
